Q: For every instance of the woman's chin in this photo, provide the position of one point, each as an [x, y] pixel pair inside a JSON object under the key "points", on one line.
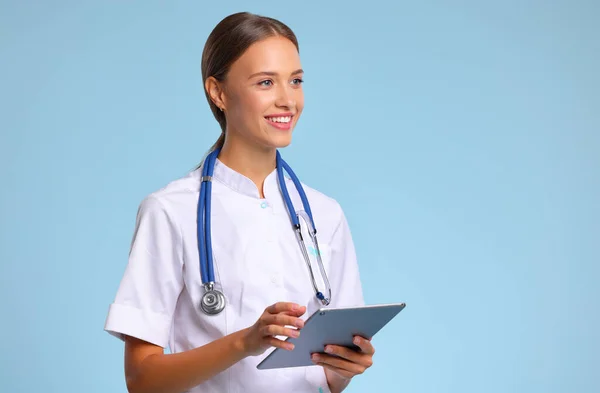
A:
{"points": [[280, 139]]}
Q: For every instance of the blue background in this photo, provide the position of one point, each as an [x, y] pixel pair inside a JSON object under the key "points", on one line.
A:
{"points": [[461, 138]]}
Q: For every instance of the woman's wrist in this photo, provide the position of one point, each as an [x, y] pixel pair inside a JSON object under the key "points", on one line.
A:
{"points": [[336, 382], [239, 343]]}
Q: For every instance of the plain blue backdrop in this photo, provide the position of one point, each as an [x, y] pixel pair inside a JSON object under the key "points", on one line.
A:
{"points": [[461, 138]]}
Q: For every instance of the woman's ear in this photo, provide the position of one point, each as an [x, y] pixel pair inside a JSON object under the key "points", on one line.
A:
{"points": [[215, 91]]}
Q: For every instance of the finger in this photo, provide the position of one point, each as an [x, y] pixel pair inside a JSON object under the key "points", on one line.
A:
{"points": [[299, 311], [339, 371], [277, 343], [339, 363], [276, 330], [283, 319], [296, 313], [350, 355], [364, 345], [285, 307]]}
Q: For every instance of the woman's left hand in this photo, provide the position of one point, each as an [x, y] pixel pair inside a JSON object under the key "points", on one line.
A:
{"points": [[342, 364]]}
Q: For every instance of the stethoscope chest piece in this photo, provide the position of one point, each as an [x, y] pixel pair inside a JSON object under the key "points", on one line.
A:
{"points": [[213, 302]]}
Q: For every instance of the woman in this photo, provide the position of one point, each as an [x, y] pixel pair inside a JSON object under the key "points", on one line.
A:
{"points": [[253, 82]]}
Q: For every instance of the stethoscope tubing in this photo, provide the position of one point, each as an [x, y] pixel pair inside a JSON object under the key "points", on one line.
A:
{"points": [[204, 224]]}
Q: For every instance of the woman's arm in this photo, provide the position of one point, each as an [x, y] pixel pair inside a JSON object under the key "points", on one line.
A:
{"points": [[149, 370]]}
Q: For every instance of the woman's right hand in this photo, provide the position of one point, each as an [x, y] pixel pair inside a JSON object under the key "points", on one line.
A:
{"points": [[273, 321]]}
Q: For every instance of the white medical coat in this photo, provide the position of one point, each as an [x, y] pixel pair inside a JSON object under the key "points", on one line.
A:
{"points": [[257, 262]]}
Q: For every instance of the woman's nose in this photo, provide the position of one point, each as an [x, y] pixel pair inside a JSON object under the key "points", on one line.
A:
{"points": [[285, 97]]}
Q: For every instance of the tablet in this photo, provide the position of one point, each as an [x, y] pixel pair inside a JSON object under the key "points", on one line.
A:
{"points": [[331, 326]]}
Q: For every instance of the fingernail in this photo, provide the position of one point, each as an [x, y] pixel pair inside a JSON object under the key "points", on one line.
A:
{"points": [[328, 350], [299, 323], [295, 333], [294, 307], [315, 358], [356, 340]]}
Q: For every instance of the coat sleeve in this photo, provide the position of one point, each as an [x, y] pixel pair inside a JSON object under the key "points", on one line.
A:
{"points": [[153, 279]]}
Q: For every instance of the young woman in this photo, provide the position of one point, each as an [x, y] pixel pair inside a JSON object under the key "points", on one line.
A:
{"points": [[216, 271]]}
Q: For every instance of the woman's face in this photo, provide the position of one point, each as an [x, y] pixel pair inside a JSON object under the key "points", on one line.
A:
{"points": [[262, 94]]}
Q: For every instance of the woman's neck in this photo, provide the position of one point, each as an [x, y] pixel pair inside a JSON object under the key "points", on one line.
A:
{"points": [[254, 162]]}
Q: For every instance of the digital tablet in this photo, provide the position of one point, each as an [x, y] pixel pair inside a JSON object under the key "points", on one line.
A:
{"points": [[331, 326]]}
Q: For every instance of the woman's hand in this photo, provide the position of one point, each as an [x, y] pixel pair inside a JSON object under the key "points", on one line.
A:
{"points": [[342, 364], [261, 336]]}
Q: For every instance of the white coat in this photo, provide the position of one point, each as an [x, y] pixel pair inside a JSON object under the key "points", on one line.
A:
{"points": [[257, 262]]}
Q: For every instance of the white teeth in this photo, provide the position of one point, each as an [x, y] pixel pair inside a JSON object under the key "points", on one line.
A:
{"points": [[284, 119]]}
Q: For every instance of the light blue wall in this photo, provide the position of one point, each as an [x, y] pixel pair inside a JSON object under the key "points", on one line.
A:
{"points": [[461, 138]]}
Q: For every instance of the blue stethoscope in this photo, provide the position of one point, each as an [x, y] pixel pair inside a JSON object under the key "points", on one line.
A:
{"points": [[213, 300]]}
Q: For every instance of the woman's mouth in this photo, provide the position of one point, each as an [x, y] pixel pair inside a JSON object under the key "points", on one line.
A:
{"points": [[281, 121]]}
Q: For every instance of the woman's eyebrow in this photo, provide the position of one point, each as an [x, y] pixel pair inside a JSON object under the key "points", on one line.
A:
{"points": [[271, 73]]}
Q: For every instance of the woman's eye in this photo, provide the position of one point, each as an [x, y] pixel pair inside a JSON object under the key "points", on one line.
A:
{"points": [[297, 81], [265, 83]]}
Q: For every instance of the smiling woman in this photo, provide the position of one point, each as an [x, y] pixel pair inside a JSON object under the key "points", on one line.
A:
{"points": [[220, 283], [260, 100], [252, 63]]}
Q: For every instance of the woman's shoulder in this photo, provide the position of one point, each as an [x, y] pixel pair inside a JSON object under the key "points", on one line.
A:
{"points": [[327, 211], [319, 198], [177, 194]]}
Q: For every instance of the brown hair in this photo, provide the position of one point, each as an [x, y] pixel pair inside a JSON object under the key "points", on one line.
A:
{"points": [[227, 42]]}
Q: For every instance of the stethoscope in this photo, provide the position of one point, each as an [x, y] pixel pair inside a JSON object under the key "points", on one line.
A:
{"points": [[213, 300]]}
